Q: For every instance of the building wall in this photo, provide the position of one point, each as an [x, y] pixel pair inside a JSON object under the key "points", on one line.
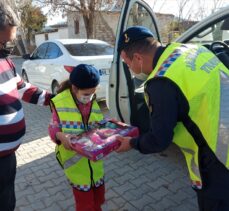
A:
{"points": [[72, 17], [61, 33], [53, 35], [164, 22], [104, 27], [112, 19], [39, 38], [106, 24]]}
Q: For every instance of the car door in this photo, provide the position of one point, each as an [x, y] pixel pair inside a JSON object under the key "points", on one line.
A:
{"points": [[33, 67], [126, 99], [49, 67]]}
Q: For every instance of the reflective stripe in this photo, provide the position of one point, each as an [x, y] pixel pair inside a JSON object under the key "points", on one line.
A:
{"points": [[197, 185], [170, 60], [222, 148], [70, 162], [193, 165], [71, 124], [67, 110], [97, 111], [77, 125], [88, 187], [167, 63], [92, 125], [82, 187], [99, 182]]}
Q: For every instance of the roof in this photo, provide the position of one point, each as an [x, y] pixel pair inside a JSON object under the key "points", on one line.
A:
{"points": [[59, 25], [52, 28], [71, 41]]}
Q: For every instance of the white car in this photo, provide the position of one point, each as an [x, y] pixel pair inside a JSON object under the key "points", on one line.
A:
{"points": [[125, 97], [53, 60]]}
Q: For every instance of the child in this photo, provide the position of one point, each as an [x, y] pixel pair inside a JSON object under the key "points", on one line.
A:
{"points": [[74, 110]]}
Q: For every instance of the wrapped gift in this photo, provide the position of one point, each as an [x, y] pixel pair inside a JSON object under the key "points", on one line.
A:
{"points": [[99, 142]]}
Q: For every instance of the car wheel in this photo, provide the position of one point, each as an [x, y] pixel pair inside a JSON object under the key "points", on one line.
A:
{"points": [[24, 76], [55, 87]]}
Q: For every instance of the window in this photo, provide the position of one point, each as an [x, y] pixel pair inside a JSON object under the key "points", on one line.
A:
{"points": [[89, 49], [53, 51], [140, 16], [40, 52], [216, 32], [77, 27]]}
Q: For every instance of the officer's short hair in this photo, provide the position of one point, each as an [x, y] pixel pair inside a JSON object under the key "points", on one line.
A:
{"points": [[136, 39], [143, 46], [7, 16]]}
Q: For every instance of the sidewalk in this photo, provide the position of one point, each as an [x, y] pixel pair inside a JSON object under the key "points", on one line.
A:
{"points": [[133, 181]]}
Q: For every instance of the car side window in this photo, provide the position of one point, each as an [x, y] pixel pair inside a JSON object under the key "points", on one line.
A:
{"points": [[53, 51], [216, 32], [89, 49], [140, 16], [40, 52]]}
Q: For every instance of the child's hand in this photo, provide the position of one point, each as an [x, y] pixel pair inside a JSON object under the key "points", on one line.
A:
{"points": [[65, 139], [124, 144]]}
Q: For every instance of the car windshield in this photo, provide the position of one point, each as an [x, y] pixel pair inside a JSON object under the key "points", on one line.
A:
{"points": [[89, 49]]}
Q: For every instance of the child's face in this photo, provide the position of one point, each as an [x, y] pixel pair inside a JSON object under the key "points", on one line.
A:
{"points": [[83, 95]]}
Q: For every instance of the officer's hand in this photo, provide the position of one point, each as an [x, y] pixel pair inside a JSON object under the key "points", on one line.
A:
{"points": [[124, 144]]}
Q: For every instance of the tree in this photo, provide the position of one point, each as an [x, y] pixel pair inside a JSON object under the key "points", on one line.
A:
{"points": [[203, 11], [32, 19], [85, 7], [184, 13], [158, 3]]}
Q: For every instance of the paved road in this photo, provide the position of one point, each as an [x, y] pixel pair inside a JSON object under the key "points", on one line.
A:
{"points": [[133, 181]]}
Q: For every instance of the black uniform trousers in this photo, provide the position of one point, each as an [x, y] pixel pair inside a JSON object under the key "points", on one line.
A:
{"points": [[7, 179], [211, 204], [214, 195]]}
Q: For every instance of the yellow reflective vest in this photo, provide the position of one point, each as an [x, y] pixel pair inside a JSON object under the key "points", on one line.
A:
{"points": [[200, 76], [80, 171]]}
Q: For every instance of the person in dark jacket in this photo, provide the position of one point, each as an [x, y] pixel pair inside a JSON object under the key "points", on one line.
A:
{"points": [[185, 90], [12, 122]]}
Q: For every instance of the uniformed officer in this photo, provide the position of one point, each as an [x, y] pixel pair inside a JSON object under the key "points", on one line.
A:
{"points": [[185, 89]]}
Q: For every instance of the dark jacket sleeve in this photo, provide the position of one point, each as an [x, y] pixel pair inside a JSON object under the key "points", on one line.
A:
{"points": [[167, 107]]}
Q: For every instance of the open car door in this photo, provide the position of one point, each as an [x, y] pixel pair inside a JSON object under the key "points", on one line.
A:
{"points": [[126, 97]]}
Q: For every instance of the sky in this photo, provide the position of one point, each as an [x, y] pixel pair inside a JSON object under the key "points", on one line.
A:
{"points": [[51, 20], [171, 6], [162, 6]]}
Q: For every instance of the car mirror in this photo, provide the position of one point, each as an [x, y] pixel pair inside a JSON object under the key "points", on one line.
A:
{"points": [[205, 32], [26, 56]]}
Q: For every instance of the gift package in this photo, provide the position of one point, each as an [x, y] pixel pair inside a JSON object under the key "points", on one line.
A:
{"points": [[100, 141]]}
